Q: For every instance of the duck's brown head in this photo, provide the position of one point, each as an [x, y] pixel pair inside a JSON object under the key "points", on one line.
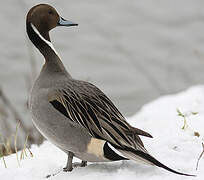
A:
{"points": [[44, 17], [40, 20]]}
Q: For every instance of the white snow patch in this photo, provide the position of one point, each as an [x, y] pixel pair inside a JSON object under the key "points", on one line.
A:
{"points": [[173, 146]]}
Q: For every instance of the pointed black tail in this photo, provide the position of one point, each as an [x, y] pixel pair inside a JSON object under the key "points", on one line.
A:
{"points": [[157, 163]]}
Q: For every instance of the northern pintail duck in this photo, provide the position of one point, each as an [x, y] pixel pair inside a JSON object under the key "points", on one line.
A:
{"points": [[75, 115]]}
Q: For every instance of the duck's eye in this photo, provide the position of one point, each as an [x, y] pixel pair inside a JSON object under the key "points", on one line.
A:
{"points": [[50, 12]]}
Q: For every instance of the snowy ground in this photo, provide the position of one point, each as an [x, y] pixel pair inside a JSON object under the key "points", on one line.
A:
{"points": [[171, 144]]}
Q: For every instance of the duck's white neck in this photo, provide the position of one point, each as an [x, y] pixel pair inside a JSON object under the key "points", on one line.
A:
{"points": [[43, 43], [44, 40]]}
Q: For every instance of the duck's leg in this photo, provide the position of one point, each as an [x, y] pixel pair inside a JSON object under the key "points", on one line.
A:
{"points": [[69, 162], [70, 165], [81, 164]]}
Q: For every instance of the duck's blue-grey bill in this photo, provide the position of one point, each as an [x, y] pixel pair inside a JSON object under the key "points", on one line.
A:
{"points": [[64, 22]]}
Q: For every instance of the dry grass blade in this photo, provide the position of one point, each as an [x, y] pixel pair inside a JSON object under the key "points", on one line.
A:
{"points": [[200, 157], [15, 142], [31, 154], [23, 152], [1, 153]]}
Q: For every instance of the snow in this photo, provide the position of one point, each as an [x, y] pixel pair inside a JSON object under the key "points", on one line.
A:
{"points": [[176, 147]]}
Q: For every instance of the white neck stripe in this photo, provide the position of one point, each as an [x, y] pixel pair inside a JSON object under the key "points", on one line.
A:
{"points": [[42, 38]]}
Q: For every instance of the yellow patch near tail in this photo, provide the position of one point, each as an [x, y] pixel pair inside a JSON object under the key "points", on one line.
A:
{"points": [[95, 147]]}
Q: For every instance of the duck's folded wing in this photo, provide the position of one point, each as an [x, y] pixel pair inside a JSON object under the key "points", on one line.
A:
{"points": [[91, 109]]}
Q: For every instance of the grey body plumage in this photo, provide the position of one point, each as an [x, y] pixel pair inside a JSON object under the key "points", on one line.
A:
{"points": [[75, 115]]}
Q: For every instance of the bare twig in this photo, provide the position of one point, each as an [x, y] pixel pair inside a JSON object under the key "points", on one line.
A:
{"points": [[54, 174], [200, 157]]}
